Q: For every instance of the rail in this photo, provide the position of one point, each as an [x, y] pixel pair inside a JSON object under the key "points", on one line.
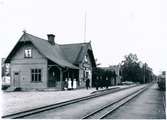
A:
{"points": [[104, 111]]}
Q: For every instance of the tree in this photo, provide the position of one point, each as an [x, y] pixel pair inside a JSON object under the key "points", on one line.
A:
{"points": [[130, 69]]}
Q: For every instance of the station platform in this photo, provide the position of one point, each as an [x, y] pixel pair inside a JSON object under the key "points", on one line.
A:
{"points": [[148, 105], [13, 102]]}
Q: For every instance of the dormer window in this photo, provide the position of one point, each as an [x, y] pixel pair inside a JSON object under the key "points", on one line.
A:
{"points": [[28, 53]]}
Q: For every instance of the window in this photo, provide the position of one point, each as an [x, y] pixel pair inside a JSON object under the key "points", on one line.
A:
{"points": [[86, 58], [16, 73], [27, 53], [36, 75]]}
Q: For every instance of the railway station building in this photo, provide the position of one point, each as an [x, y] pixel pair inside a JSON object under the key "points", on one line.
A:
{"points": [[36, 63]]}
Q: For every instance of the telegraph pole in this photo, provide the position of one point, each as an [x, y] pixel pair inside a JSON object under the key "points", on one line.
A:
{"points": [[144, 76]]}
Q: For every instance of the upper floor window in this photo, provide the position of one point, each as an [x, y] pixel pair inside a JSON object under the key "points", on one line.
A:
{"points": [[28, 53]]}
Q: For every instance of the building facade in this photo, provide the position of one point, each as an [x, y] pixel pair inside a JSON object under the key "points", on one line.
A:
{"points": [[106, 76], [36, 63], [116, 68]]}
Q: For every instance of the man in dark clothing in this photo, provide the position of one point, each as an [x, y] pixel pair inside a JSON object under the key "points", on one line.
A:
{"points": [[87, 83], [97, 84]]}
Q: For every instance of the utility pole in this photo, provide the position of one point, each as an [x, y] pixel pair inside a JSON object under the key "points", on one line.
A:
{"points": [[85, 26], [144, 76]]}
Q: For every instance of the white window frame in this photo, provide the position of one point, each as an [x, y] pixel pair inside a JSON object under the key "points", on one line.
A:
{"points": [[28, 53]]}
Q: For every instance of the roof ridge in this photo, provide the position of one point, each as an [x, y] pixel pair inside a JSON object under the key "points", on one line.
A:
{"points": [[56, 43], [75, 43]]}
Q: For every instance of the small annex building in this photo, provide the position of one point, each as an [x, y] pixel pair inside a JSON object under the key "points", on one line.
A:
{"points": [[36, 63]]}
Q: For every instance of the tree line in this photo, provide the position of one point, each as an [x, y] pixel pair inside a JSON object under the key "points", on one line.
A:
{"points": [[131, 69], [134, 70]]}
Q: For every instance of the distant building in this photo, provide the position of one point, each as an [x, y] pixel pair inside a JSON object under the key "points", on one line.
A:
{"points": [[116, 68], [38, 64]]}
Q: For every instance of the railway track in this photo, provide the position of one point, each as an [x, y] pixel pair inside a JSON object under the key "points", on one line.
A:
{"points": [[106, 110], [57, 105]]}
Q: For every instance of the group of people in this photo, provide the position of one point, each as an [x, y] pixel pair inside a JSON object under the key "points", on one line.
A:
{"points": [[69, 84]]}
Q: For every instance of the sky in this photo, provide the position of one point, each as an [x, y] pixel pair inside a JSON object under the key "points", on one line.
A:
{"points": [[114, 27]]}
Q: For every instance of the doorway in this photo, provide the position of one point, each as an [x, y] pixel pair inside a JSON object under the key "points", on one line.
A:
{"points": [[53, 77], [16, 80]]}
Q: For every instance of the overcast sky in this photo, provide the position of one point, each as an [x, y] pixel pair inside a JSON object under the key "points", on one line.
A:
{"points": [[115, 27]]}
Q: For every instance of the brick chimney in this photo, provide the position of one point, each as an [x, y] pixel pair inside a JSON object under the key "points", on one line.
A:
{"points": [[51, 39]]}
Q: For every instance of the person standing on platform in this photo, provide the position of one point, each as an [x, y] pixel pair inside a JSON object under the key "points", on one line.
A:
{"points": [[74, 84], [69, 84], [87, 83], [66, 84], [97, 84]]}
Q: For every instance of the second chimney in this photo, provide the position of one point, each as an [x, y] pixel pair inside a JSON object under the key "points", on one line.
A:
{"points": [[51, 38]]}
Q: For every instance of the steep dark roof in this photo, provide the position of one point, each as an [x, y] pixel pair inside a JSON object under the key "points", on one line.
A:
{"points": [[67, 55], [73, 52]]}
